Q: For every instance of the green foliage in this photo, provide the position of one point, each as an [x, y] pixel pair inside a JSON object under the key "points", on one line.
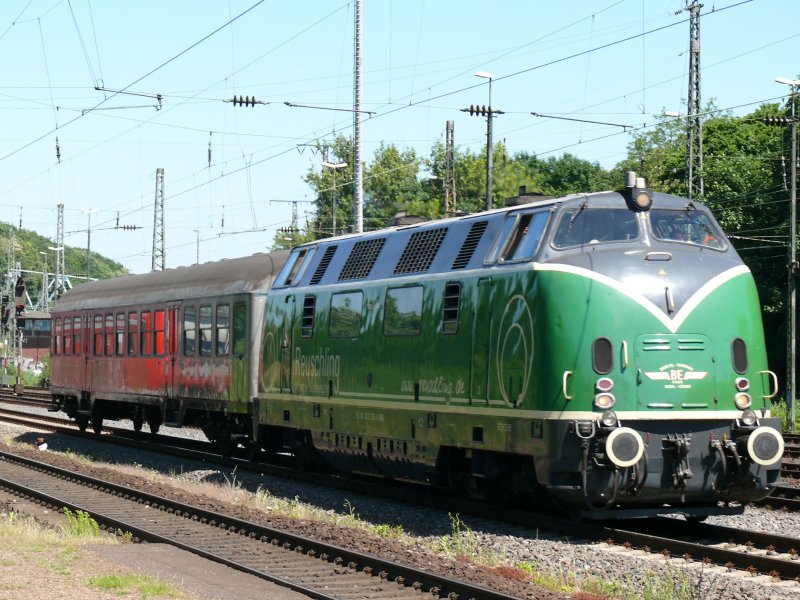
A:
{"points": [[80, 524], [464, 542], [781, 409], [28, 246], [144, 586]]}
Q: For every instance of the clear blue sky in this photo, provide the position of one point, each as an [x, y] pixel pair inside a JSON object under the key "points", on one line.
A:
{"points": [[618, 61]]}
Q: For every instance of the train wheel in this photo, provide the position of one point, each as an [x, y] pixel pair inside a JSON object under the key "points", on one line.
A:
{"points": [[154, 420], [97, 424], [138, 419], [82, 421]]}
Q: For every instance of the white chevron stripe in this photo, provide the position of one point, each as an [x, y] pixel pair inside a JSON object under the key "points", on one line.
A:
{"points": [[671, 324]]}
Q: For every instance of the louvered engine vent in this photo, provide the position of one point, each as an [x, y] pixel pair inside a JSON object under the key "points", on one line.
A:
{"points": [[470, 243]]}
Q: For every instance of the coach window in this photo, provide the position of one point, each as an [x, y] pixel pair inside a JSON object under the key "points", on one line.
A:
{"points": [[204, 333], [223, 327], [146, 333], [189, 333], [119, 338], [239, 329], [57, 332], [159, 332], [98, 335], [345, 319], [403, 311], [76, 336], [133, 333], [67, 335], [109, 335]]}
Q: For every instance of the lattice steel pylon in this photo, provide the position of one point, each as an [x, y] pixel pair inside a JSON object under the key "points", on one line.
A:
{"points": [[694, 123], [59, 287], [450, 204], [159, 253]]}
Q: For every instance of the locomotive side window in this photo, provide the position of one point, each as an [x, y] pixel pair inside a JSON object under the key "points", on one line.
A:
{"points": [[239, 329], [159, 332], [67, 335], [145, 334], [109, 335], [451, 307], [133, 333], [685, 226], [57, 337], [189, 333], [221, 340], [345, 315], [581, 225], [204, 333], [403, 311], [119, 345], [307, 324], [76, 335], [98, 335]]}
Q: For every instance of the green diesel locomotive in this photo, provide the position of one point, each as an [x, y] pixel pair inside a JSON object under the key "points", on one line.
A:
{"points": [[603, 352]]}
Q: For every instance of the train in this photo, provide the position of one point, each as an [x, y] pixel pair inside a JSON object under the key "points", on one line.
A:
{"points": [[602, 353]]}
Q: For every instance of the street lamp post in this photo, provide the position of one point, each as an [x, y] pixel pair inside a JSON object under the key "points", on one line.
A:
{"points": [[59, 283], [89, 212], [489, 152], [44, 302], [791, 317], [333, 167], [197, 246]]}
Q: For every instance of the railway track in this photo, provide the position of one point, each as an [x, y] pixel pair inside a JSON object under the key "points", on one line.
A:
{"points": [[746, 550], [308, 566]]}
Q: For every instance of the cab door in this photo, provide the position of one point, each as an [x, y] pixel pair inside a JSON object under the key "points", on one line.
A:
{"points": [[171, 358], [481, 342]]}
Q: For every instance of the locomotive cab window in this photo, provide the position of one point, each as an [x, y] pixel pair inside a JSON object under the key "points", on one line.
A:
{"points": [[686, 227], [295, 266], [580, 226], [519, 238], [403, 311]]}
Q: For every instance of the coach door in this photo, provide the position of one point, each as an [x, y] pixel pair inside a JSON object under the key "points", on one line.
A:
{"points": [[170, 366], [481, 342], [239, 358], [287, 340], [85, 350]]}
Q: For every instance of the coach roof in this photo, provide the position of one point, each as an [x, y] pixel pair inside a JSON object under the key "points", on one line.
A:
{"points": [[254, 273]]}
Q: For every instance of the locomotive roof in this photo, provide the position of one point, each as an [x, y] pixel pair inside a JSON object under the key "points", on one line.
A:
{"points": [[230, 276], [441, 246]]}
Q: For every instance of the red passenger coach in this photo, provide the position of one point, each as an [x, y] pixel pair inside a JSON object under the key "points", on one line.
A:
{"points": [[180, 346]]}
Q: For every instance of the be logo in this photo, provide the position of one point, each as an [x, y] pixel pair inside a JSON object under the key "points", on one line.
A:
{"points": [[676, 376]]}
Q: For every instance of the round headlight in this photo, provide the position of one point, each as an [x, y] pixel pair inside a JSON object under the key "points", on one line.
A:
{"points": [[749, 418], [604, 400], [742, 400], [742, 384], [609, 419], [604, 384], [643, 200], [765, 446]]}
